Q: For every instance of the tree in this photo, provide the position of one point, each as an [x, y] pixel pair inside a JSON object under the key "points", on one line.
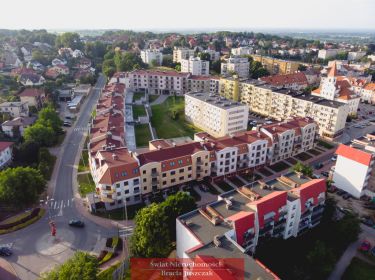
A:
{"points": [[21, 186], [174, 206], [38, 133], [304, 169], [46, 163], [257, 70], [178, 67], [69, 40], [48, 117], [108, 67], [81, 266], [154, 63], [321, 260], [26, 153], [204, 56], [151, 235]]}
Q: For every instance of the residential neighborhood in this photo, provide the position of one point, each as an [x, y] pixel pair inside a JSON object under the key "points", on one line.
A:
{"points": [[187, 144]]}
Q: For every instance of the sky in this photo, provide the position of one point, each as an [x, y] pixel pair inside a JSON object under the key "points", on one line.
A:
{"points": [[190, 14]]}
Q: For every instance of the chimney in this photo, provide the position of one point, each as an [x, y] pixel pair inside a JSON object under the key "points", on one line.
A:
{"points": [[114, 156]]}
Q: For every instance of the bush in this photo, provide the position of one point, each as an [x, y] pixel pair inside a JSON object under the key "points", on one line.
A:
{"points": [[30, 221], [109, 242]]}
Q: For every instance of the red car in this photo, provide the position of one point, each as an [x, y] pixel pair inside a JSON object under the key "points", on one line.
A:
{"points": [[365, 246]]}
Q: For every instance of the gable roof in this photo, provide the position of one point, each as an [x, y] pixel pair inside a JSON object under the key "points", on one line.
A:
{"points": [[4, 145], [32, 92]]}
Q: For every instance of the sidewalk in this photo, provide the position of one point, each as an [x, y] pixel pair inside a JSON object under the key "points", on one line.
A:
{"points": [[7, 271]]}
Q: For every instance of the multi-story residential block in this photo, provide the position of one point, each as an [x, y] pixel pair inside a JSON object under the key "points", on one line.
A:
{"points": [[295, 81], [242, 51], [327, 54], [149, 56], [214, 55], [33, 97], [182, 53], [338, 88], [356, 55], [277, 66], [281, 103], [354, 171], [167, 82], [214, 114], [195, 66], [239, 220], [5, 154], [15, 109], [236, 65]]}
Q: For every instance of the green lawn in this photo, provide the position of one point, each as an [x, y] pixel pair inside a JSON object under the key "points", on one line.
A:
{"points": [[118, 214], [138, 111], [280, 166], [359, 270], [152, 98], [86, 184], [324, 144], [169, 119], [142, 135], [303, 156], [224, 186], [84, 162], [138, 95]]}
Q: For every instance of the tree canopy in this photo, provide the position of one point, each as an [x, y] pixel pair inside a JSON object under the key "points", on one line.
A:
{"points": [[69, 40], [81, 266], [38, 133], [304, 169], [21, 186]]}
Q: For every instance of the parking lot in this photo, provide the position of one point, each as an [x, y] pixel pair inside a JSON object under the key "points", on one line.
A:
{"points": [[256, 119]]}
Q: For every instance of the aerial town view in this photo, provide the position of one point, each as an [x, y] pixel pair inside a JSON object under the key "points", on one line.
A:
{"points": [[143, 141]]}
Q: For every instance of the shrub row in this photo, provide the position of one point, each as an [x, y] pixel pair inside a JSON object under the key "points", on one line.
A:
{"points": [[33, 214]]}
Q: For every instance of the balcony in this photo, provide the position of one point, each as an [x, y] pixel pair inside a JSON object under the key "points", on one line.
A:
{"points": [[278, 230], [265, 229], [154, 174]]}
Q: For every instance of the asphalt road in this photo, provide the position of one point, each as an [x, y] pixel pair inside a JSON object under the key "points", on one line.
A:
{"points": [[34, 249]]}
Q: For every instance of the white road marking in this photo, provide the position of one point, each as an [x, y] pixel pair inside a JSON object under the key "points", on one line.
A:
{"points": [[55, 206], [68, 202], [62, 204]]}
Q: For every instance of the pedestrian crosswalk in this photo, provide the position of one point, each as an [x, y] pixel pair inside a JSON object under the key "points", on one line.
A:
{"points": [[126, 231], [60, 204]]}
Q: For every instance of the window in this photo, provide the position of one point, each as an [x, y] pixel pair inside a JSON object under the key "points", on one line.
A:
{"points": [[118, 194], [108, 188], [126, 183], [164, 175], [173, 181], [144, 180], [173, 172], [116, 174], [117, 185], [189, 168], [145, 188], [126, 191], [124, 173], [181, 170], [137, 197], [180, 161], [136, 190], [144, 172], [181, 178], [164, 183], [136, 181], [127, 199], [119, 201], [172, 163], [163, 165]]}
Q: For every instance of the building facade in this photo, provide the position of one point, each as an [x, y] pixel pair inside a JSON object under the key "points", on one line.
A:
{"points": [[149, 56], [242, 51], [354, 169], [214, 114], [182, 53], [277, 66], [15, 109], [236, 65], [5, 154], [239, 220], [195, 66]]}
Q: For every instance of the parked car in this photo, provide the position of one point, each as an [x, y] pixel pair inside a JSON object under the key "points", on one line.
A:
{"points": [[76, 223], [5, 252], [68, 124], [365, 246], [368, 222], [316, 176], [318, 165], [325, 173], [334, 158], [346, 196]]}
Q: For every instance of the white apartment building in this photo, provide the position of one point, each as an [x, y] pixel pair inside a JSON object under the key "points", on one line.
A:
{"points": [[17, 126], [148, 56], [182, 53], [195, 66], [5, 153], [354, 170], [280, 104], [214, 114], [237, 65], [242, 51], [239, 220], [214, 55], [15, 109], [356, 55], [326, 54]]}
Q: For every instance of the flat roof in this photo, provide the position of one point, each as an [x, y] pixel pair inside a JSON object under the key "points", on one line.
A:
{"points": [[215, 100]]}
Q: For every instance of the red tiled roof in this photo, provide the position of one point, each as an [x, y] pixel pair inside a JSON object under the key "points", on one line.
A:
{"points": [[32, 92], [310, 189], [287, 79], [354, 154], [4, 145], [370, 86]]}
